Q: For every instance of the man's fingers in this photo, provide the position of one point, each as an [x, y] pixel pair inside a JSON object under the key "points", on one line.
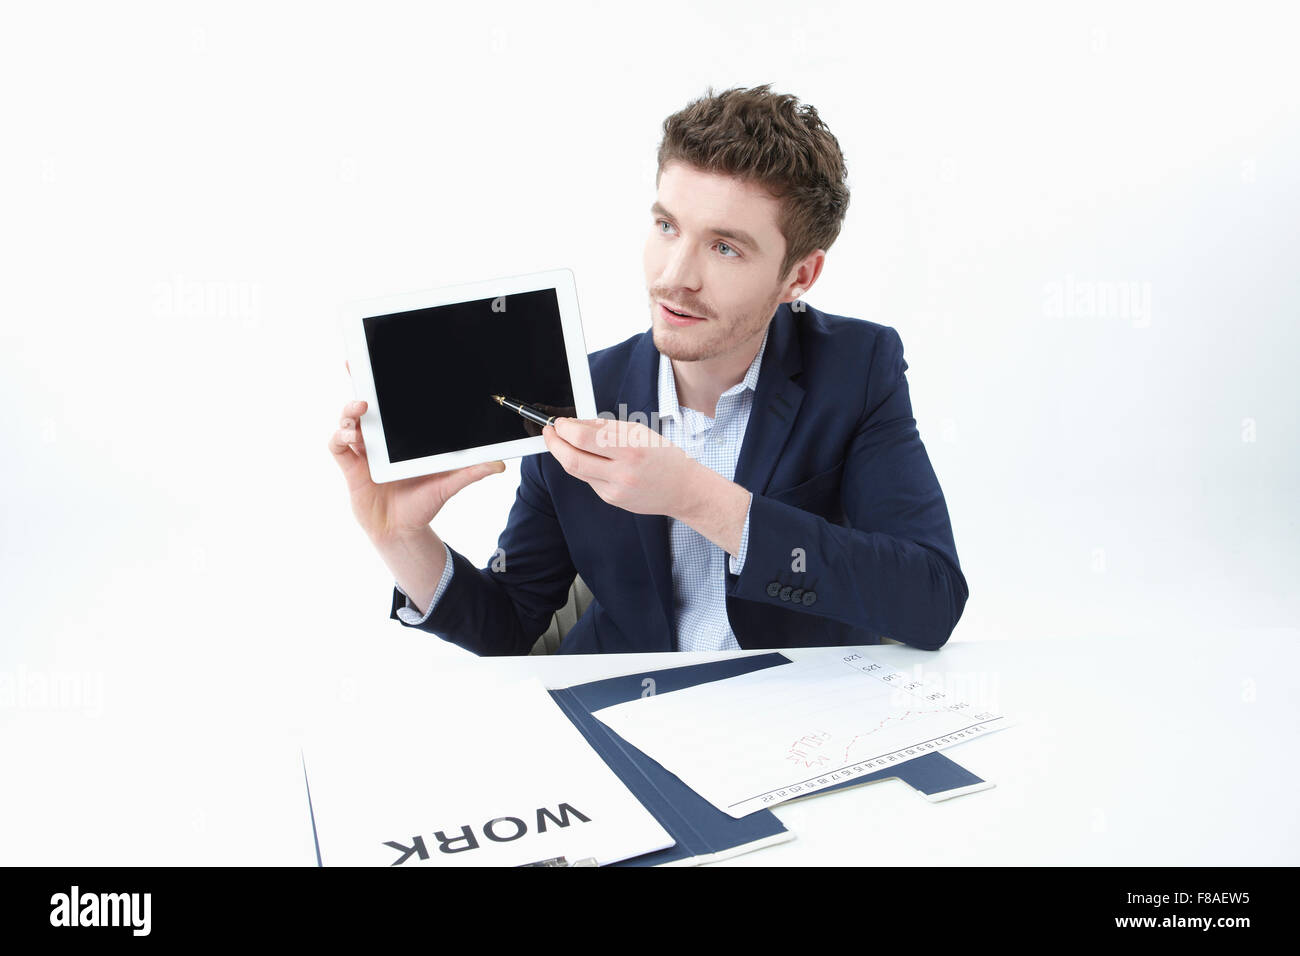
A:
{"points": [[596, 437], [352, 413], [578, 463], [600, 436], [558, 447], [348, 437], [342, 442], [576, 434]]}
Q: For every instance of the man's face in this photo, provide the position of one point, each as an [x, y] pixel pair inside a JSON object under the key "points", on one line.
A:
{"points": [[713, 252]]}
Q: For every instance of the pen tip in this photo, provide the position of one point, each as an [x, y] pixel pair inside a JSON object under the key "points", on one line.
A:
{"points": [[497, 398]]}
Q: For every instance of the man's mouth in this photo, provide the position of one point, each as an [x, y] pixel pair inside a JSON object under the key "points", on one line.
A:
{"points": [[678, 317]]}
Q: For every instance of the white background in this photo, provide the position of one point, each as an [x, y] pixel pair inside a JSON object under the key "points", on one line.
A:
{"points": [[187, 193]]}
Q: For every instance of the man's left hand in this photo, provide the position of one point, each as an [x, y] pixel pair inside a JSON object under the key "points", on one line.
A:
{"points": [[628, 464]]}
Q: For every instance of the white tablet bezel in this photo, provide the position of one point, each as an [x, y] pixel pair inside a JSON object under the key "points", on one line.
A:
{"points": [[381, 469]]}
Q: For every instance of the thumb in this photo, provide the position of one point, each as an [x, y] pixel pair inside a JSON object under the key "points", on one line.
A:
{"points": [[472, 473]]}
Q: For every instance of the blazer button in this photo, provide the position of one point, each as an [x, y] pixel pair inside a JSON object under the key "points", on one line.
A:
{"points": [[795, 595], [785, 592], [809, 597], [773, 588]]}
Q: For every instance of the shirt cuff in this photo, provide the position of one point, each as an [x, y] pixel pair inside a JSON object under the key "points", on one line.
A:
{"points": [[737, 561], [410, 614]]}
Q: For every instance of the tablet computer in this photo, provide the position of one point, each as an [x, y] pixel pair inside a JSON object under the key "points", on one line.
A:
{"points": [[428, 363]]}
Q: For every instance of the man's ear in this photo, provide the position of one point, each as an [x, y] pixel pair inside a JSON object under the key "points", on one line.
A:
{"points": [[803, 275]]}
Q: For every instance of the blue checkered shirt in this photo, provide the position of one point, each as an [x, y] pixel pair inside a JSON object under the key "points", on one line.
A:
{"points": [[699, 577]]}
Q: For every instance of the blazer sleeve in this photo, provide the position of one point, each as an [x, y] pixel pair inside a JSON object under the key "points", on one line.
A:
{"points": [[503, 608], [893, 570]]}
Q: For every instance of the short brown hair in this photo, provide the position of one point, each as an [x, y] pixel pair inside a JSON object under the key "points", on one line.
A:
{"points": [[768, 138]]}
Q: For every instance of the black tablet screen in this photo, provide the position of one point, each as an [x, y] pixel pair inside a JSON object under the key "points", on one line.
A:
{"points": [[436, 369]]}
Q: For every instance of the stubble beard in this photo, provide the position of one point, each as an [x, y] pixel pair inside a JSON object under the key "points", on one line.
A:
{"points": [[686, 345]]}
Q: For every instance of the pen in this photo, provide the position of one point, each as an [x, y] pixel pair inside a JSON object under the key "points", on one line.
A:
{"points": [[529, 412]]}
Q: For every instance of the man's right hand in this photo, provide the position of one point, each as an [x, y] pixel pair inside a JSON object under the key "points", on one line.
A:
{"points": [[394, 509]]}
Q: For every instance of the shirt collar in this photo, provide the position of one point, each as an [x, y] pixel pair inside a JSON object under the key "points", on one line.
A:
{"points": [[668, 407]]}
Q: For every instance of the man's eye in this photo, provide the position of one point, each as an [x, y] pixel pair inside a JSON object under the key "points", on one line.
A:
{"points": [[662, 222], [723, 245]]}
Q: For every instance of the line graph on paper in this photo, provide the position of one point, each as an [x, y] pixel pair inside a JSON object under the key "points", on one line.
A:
{"points": [[759, 739]]}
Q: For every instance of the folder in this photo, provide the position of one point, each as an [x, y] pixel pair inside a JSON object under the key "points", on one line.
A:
{"points": [[704, 833]]}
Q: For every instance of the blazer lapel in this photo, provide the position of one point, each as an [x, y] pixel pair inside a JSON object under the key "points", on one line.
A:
{"points": [[777, 398]]}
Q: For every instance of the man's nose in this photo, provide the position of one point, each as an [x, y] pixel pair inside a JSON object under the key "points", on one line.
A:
{"points": [[681, 270]]}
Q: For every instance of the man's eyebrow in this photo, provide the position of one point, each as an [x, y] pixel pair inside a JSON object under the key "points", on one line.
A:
{"points": [[744, 238]]}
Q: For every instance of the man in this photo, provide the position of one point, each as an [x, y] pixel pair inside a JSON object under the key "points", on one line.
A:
{"points": [[786, 498]]}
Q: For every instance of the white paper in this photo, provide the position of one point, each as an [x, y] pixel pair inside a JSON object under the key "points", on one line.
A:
{"points": [[499, 758], [759, 739]]}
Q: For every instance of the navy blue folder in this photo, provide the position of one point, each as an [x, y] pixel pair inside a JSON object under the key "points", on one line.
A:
{"points": [[701, 830]]}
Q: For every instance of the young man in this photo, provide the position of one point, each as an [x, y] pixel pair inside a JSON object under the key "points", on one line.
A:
{"points": [[786, 499]]}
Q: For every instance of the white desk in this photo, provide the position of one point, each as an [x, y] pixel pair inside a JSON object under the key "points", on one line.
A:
{"points": [[1125, 752], [1169, 750]]}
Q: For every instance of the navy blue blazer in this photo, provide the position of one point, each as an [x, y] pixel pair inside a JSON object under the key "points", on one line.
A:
{"points": [[849, 535]]}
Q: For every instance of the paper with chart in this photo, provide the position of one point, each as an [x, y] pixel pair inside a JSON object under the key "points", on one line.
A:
{"points": [[753, 741], [465, 773]]}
